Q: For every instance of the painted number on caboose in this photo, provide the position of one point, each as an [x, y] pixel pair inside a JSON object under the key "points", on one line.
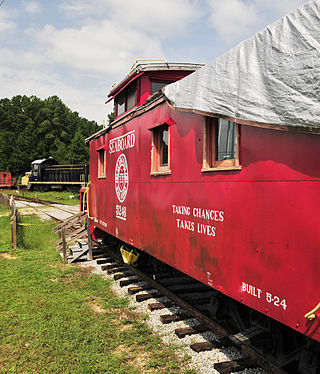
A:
{"points": [[260, 294], [121, 212]]}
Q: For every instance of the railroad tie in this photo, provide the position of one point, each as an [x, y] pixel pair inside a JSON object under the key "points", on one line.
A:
{"points": [[228, 367], [168, 318], [146, 296], [158, 306]]}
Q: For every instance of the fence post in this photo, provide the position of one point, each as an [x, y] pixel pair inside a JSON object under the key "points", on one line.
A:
{"points": [[90, 258], [14, 230], [64, 245]]}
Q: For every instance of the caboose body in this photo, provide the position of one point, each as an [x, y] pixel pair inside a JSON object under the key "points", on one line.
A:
{"points": [[250, 231], [6, 181], [230, 201]]}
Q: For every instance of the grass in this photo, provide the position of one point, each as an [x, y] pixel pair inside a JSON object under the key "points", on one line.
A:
{"points": [[59, 318], [61, 197]]}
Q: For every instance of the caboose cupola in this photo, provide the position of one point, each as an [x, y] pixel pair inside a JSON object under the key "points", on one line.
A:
{"points": [[143, 80]]}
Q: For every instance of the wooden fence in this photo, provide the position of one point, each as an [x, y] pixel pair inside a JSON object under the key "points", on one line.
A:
{"points": [[5, 200], [15, 217]]}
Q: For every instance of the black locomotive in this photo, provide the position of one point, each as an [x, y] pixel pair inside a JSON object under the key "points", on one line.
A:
{"points": [[46, 175]]}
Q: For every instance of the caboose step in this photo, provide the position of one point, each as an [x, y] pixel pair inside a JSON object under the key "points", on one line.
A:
{"points": [[83, 243], [80, 255]]}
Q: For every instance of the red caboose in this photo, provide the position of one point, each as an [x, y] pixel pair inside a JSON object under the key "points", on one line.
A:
{"points": [[219, 175], [6, 181]]}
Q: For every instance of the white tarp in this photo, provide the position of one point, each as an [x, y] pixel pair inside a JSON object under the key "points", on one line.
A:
{"points": [[273, 77]]}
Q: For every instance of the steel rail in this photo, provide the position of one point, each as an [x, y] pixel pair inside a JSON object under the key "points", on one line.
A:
{"points": [[212, 325]]}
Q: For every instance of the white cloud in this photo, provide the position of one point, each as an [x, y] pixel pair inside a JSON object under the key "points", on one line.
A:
{"points": [[279, 8], [89, 104], [232, 18], [31, 7], [97, 47], [161, 18], [235, 20], [5, 23]]}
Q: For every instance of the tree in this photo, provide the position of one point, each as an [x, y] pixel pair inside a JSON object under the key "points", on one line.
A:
{"points": [[31, 128]]}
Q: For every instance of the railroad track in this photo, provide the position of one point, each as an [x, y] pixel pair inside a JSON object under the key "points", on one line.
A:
{"points": [[52, 204], [187, 299]]}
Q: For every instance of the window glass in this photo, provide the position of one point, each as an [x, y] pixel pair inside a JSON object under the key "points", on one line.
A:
{"points": [[131, 97], [160, 158], [156, 86], [164, 146], [121, 104], [101, 163], [220, 150], [226, 140]]}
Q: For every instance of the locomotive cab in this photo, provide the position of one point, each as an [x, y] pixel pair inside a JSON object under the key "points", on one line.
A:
{"points": [[37, 168]]}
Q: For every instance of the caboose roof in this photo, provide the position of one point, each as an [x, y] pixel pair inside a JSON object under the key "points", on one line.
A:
{"points": [[140, 68], [270, 78]]}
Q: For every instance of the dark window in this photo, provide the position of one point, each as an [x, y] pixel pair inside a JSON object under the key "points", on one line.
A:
{"points": [[164, 146], [127, 99], [121, 104], [156, 86], [220, 145], [131, 97]]}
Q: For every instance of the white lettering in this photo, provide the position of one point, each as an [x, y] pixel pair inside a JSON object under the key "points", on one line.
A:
{"points": [[122, 142]]}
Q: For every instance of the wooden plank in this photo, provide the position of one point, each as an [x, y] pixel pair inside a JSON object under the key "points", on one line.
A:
{"points": [[135, 289], [78, 234], [90, 258], [146, 296], [168, 318], [158, 306], [68, 222], [205, 346], [115, 270], [64, 245], [181, 333], [228, 367]]}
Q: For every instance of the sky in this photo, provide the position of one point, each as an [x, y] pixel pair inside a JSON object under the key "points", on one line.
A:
{"points": [[77, 49]]}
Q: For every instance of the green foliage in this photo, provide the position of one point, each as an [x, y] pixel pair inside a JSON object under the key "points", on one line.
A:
{"points": [[31, 128], [59, 318]]}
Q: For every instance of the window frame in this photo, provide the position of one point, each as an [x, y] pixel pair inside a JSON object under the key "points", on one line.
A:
{"points": [[132, 88], [156, 150], [210, 145], [101, 170]]}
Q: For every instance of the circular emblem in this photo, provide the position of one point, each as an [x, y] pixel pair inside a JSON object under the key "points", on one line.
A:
{"points": [[121, 178]]}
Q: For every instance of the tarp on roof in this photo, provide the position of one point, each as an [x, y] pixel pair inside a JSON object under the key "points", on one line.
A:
{"points": [[272, 77]]}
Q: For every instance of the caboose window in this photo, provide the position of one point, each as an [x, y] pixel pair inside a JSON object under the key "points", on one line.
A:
{"points": [[220, 150], [121, 107], [101, 163], [126, 100], [160, 157], [157, 85]]}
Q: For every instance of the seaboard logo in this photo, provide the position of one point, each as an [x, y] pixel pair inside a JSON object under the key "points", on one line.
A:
{"points": [[121, 178]]}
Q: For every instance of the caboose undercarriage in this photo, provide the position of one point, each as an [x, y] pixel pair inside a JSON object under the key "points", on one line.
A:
{"points": [[280, 345]]}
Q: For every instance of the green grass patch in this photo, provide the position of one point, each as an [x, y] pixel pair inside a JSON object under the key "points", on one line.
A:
{"points": [[59, 318], [60, 197], [4, 209]]}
